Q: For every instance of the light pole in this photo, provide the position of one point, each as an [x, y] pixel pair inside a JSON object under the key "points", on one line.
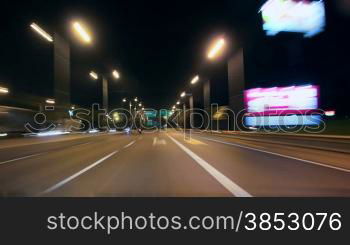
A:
{"points": [[62, 61], [95, 76], [190, 96], [215, 50], [61, 66]]}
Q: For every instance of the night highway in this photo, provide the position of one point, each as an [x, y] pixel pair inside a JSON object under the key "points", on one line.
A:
{"points": [[124, 120], [166, 164]]}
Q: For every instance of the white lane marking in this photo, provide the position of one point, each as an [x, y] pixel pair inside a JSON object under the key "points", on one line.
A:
{"points": [[156, 141], [65, 181], [222, 179], [87, 143], [20, 158], [38, 154], [130, 144], [280, 155]]}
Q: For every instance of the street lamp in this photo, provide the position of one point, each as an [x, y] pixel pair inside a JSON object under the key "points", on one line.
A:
{"points": [[124, 100], [61, 60], [4, 90], [41, 32], [140, 104], [178, 103], [136, 99], [116, 74], [216, 49], [50, 101], [93, 75], [80, 30], [190, 96], [195, 80]]}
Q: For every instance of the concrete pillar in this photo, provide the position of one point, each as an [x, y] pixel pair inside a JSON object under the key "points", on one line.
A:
{"points": [[236, 86], [105, 93], [206, 103], [61, 74], [191, 112]]}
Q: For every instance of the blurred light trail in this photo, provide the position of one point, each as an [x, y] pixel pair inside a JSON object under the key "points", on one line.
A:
{"points": [[52, 133], [4, 90]]}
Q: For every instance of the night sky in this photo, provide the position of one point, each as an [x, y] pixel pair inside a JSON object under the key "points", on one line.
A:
{"points": [[158, 46]]}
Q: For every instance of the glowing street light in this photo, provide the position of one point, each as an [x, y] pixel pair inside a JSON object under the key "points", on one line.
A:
{"points": [[124, 100], [4, 90], [43, 33], [116, 117], [50, 101], [183, 94], [82, 32], [216, 48], [136, 99], [140, 104], [93, 75], [195, 80], [116, 74], [178, 103], [174, 107]]}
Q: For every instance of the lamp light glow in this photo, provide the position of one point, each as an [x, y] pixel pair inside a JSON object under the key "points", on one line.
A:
{"points": [[116, 74], [50, 101], [82, 32], [4, 90], [216, 49], [93, 75], [195, 80], [42, 33]]}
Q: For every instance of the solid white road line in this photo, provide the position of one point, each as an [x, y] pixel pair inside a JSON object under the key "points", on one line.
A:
{"points": [[222, 179], [65, 181], [277, 154], [157, 141], [20, 158], [130, 144], [34, 155]]}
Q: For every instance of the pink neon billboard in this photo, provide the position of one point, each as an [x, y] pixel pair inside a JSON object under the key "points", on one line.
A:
{"points": [[281, 100]]}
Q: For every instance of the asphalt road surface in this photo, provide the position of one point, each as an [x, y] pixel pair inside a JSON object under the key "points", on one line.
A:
{"points": [[167, 164]]}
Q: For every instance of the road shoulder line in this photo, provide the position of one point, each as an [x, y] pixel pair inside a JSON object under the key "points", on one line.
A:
{"points": [[232, 187], [278, 154]]}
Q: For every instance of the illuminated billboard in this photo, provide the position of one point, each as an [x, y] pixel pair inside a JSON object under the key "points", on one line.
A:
{"points": [[301, 16], [282, 100], [292, 105]]}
